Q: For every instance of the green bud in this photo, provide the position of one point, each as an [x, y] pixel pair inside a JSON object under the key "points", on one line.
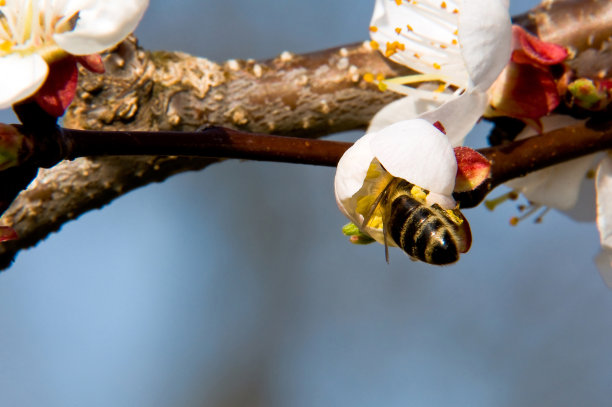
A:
{"points": [[588, 94], [356, 235]]}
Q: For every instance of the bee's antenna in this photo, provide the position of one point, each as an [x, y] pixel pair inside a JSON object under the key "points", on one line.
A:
{"points": [[385, 241]]}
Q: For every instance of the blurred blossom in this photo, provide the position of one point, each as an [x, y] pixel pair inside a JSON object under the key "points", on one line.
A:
{"points": [[561, 187]]}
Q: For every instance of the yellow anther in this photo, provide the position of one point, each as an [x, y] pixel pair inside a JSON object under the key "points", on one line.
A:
{"points": [[417, 56], [393, 47], [442, 46], [443, 4], [6, 46], [440, 88], [409, 27], [382, 86], [437, 65], [374, 44], [514, 221], [398, 30], [398, 2], [380, 77], [368, 77], [454, 41], [455, 11], [590, 174], [456, 32], [373, 28]]}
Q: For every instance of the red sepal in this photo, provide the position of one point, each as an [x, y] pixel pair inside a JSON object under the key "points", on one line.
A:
{"points": [[60, 87], [472, 169], [7, 233], [529, 49]]}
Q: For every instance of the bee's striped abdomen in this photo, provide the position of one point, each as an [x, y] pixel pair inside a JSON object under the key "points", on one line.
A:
{"points": [[426, 233]]}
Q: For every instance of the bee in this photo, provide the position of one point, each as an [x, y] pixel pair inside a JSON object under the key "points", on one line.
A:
{"points": [[429, 233]]}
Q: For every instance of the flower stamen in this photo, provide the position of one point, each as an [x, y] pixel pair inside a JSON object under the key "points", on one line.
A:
{"points": [[491, 204]]}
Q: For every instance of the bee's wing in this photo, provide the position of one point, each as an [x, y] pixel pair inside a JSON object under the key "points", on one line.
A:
{"points": [[376, 202], [381, 197]]}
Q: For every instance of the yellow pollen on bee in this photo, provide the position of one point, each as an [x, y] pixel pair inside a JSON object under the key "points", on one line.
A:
{"points": [[458, 220], [382, 86], [398, 30], [443, 4], [380, 77], [368, 77], [374, 44], [436, 65], [373, 28], [418, 193]]}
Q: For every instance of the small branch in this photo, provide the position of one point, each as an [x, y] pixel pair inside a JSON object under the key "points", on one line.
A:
{"points": [[522, 157], [213, 142], [508, 161]]}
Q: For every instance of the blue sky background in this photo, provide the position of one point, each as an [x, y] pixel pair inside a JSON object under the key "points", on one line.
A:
{"points": [[234, 286]]}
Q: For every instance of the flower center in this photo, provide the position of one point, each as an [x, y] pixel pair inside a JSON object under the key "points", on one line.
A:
{"points": [[27, 27], [422, 35]]}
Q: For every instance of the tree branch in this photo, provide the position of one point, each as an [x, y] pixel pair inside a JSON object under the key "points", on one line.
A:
{"points": [[303, 95]]}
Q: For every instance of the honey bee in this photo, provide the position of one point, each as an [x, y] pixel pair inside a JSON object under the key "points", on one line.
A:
{"points": [[429, 233]]}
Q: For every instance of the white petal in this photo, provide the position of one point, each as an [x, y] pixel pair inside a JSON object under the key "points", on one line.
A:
{"points": [[485, 34], [351, 171], [402, 109], [603, 185], [20, 77], [417, 152], [604, 265], [557, 186], [101, 24], [459, 116], [549, 123]]}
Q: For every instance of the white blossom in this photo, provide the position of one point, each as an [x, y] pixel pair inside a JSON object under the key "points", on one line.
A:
{"points": [[465, 44], [413, 150], [34, 33]]}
